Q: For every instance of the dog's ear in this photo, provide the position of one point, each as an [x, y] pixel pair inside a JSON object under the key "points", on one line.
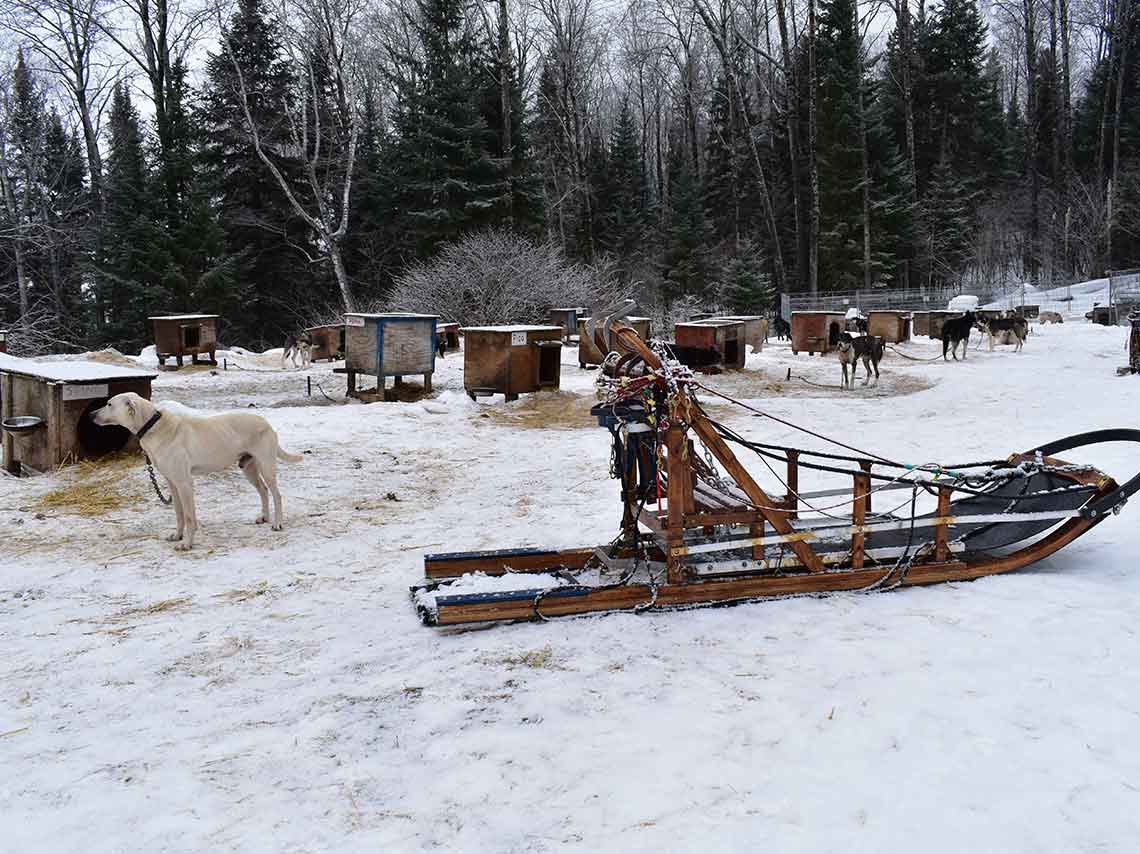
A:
{"points": [[131, 407]]}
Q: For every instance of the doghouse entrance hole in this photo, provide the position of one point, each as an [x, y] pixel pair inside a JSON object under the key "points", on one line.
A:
{"points": [[731, 352], [97, 441], [191, 336], [833, 334], [548, 360]]}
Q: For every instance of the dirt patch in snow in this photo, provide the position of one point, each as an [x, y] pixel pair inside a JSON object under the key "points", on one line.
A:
{"points": [[545, 410]]}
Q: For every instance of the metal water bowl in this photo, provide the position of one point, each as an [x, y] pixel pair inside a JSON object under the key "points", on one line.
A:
{"points": [[22, 424]]}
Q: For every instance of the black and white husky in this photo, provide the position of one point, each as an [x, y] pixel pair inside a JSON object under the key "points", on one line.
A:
{"points": [[301, 345], [852, 348]]}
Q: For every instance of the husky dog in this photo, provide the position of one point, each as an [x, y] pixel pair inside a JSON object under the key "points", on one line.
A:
{"points": [[1050, 317], [301, 345], [781, 327], [956, 331], [1003, 327], [852, 348]]}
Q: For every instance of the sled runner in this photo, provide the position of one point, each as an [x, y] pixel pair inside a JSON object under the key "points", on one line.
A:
{"points": [[697, 529]]}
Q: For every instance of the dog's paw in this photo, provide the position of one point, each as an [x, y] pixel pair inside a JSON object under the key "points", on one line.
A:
{"points": [[173, 538], [182, 547], [260, 520], [278, 527]]}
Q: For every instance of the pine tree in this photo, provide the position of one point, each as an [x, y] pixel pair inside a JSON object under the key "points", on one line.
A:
{"points": [[839, 144], [622, 195], [743, 284], [265, 246], [131, 260], [688, 264], [66, 209], [450, 181], [732, 198]]}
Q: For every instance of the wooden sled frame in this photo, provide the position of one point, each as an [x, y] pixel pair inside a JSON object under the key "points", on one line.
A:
{"points": [[686, 528]]}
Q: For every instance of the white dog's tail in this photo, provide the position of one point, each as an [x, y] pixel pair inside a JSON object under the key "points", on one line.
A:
{"points": [[282, 454]]}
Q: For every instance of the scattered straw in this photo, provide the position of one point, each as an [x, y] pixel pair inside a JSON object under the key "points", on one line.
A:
{"points": [[94, 488], [180, 603], [545, 410], [536, 659]]}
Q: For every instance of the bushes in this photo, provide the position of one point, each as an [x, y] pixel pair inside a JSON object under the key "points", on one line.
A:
{"points": [[496, 276]]}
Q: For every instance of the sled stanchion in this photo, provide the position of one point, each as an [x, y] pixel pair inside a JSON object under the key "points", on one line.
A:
{"points": [[792, 498], [942, 530], [859, 516]]}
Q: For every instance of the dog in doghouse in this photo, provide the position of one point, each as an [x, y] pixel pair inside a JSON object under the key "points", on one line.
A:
{"points": [[855, 348]]}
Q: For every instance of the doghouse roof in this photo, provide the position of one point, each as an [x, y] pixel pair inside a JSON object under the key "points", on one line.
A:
{"points": [[185, 317], [516, 328], [69, 372], [391, 315]]}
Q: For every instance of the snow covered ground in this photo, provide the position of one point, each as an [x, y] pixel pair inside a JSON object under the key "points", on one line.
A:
{"points": [[275, 692]]}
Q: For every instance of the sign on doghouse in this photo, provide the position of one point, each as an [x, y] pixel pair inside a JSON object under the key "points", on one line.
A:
{"points": [[84, 392]]}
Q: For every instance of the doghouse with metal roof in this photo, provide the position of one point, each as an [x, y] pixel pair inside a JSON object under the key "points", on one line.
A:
{"points": [[588, 352], [937, 319], [389, 345], [816, 331], [755, 326], [327, 341], [892, 326], [726, 336], [45, 409], [447, 334], [568, 319], [511, 360], [180, 335]]}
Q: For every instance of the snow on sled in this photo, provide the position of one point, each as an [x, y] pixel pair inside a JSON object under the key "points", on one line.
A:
{"points": [[697, 529]]}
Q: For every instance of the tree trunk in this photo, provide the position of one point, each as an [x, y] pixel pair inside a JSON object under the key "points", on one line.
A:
{"points": [[905, 52], [1125, 28], [1066, 126], [341, 275], [1033, 258], [813, 167], [505, 97], [865, 163], [792, 118]]}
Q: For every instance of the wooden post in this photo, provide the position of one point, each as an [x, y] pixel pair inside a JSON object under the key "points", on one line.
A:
{"points": [[677, 470], [859, 508], [792, 499], [941, 538]]}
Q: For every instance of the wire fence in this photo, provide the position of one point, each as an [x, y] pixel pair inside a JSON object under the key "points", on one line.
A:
{"points": [[1071, 299]]}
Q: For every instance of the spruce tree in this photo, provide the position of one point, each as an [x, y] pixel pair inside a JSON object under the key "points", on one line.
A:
{"points": [[266, 247], [132, 261], [688, 263], [743, 283], [450, 180], [622, 195]]}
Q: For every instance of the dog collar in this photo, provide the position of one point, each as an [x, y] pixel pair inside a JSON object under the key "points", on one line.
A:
{"points": [[150, 422]]}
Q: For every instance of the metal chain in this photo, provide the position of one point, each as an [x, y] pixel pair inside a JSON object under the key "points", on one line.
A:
{"points": [[154, 482]]}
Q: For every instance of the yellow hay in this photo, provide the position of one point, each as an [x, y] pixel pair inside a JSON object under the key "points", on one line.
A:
{"points": [[95, 488]]}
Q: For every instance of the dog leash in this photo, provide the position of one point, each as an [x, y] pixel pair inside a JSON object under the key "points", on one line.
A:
{"points": [[913, 358], [150, 468]]}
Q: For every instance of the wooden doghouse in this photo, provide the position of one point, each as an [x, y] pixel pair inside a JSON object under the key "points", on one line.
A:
{"points": [[327, 341], [920, 322], [448, 333], [181, 335], [1105, 315], [567, 318], [892, 326], [726, 336], [588, 352], [511, 360], [754, 328], [389, 345], [937, 318], [45, 405], [816, 331]]}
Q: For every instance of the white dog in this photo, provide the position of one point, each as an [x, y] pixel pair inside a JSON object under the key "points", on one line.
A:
{"points": [[181, 446]]}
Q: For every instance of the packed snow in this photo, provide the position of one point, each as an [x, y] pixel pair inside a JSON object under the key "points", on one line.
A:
{"points": [[276, 691]]}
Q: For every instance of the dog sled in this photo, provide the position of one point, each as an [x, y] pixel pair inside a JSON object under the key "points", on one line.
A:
{"points": [[698, 530]]}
